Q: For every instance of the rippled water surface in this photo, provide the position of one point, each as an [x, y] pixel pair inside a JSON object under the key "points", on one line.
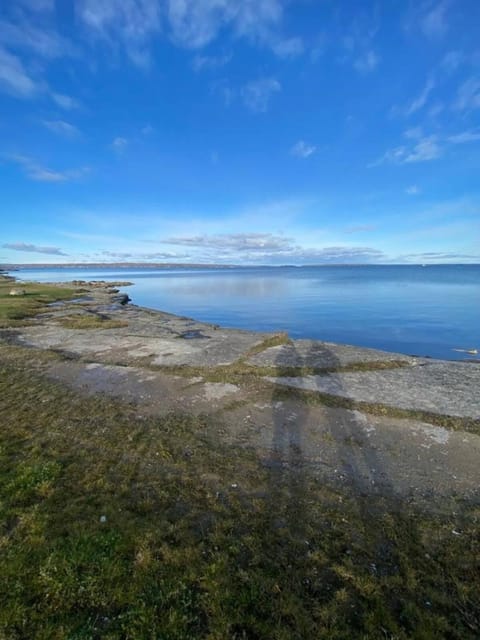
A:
{"points": [[429, 310]]}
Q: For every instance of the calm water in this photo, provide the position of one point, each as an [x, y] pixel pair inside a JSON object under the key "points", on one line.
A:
{"points": [[410, 309]]}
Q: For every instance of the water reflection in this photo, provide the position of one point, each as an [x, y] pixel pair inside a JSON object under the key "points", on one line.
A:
{"points": [[230, 287]]}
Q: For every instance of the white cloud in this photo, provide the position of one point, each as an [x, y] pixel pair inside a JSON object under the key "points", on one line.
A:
{"points": [[65, 102], [192, 24], [413, 190], [135, 256], [25, 36], [367, 62], [452, 60], [62, 128], [131, 23], [258, 93], [468, 95], [239, 242], [195, 23], [424, 149], [269, 248], [14, 78], [303, 149], [35, 171], [434, 21], [413, 133], [422, 98], [33, 248], [119, 144], [200, 63], [288, 48], [464, 137]]}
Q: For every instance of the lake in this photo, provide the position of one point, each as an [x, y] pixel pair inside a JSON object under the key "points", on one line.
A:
{"points": [[422, 310]]}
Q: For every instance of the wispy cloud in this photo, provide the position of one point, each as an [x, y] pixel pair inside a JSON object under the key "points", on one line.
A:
{"points": [[192, 24], [452, 60], [25, 35], [424, 149], [464, 137], [434, 22], [269, 248], [258, 93], [367, 62], [439, 256], [201, 63], [412, 190], [14, 78], [62, 128], [119, 144], [287, 47], [65, 102], [468, 95], [421, 100], [33, 248], [129, 23], [196, 23], [239, 242], [302, 149], [35, 171], [136, 256]]}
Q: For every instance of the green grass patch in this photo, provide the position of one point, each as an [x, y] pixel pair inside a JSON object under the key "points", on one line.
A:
{"points": [[91, 321], [273, 341], [18, 308], [115, 526]]}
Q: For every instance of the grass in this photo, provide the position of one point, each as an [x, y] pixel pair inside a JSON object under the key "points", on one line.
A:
{"points": [[15, 310], [91, 321], [114, 526]]}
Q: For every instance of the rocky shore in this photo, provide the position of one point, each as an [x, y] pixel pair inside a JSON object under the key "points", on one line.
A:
{"points": [[381, 422]]}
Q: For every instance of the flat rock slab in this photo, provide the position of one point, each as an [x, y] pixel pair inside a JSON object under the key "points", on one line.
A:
{"points": [[375, 454], [441, 387], [152, 391], [323, 355], [165, 340]]}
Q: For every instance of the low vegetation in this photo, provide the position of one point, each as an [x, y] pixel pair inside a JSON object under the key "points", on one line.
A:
{"points": [[117, 526], [30, 300], [91, 321]]}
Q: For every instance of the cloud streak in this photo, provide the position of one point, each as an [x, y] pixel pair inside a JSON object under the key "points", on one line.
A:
{"points": [[62, 128], [33, 248], [36, 171]]}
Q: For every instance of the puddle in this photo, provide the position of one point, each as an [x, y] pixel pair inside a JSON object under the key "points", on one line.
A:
{"points": [[193, 334]]}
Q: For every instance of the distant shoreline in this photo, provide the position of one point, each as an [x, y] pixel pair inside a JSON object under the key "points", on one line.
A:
{"points": [[175, 265]]}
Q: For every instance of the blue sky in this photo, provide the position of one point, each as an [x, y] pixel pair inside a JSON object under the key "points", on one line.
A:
{"points": [[246, 132]]}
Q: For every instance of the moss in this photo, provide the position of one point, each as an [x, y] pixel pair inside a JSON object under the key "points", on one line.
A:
{"points": [[115, 526]]}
